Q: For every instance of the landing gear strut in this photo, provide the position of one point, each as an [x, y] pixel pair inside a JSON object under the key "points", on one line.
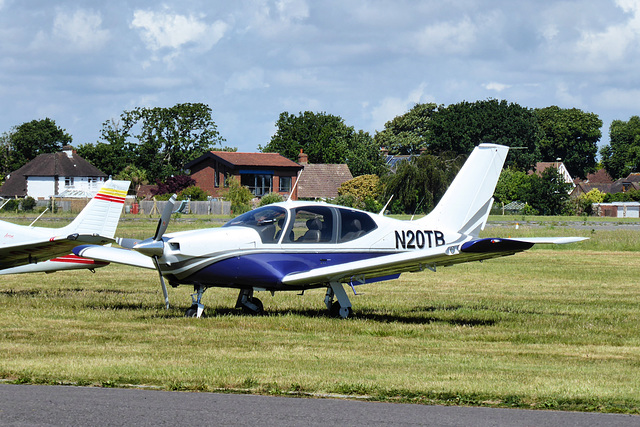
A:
{"points": [[341, 307], [196, 308], [248, 303]]}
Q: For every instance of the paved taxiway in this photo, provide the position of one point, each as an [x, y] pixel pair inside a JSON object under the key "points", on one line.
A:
{"points": [[33, 405]]}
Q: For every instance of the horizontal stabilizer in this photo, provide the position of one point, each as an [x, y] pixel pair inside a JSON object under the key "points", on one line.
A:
{"points": [[110, 254]]}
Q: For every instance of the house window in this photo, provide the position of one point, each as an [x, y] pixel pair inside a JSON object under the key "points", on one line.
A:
{"points": [[68, 181], [259, 184], [285, 184], [216, 178]]}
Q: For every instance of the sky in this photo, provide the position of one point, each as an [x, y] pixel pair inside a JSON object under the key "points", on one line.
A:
{"points": [[82, 62]]}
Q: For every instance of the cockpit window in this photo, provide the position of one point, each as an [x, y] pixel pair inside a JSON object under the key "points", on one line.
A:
{"points": [[354, 224], [267, 220], [312, 224]]}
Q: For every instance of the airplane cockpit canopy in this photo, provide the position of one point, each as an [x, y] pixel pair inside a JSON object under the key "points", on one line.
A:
{"points": [[307, 224]]}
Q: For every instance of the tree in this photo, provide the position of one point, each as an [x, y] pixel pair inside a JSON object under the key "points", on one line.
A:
{"points": [[548, 192], [460, 127], [513, 185], [174, 184], [33, 138], [622, 155], [325, 138], [418, 184], [160, 140], [407, 133], [571, 135], [586, 201], [362, 191]]}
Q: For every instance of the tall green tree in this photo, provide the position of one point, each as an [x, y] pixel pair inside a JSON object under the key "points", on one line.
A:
{"points": [[159, 140], [36, 137], [571, 135], [622, 155], [418, 184], [408, 133], [548, 192], [458, 128], [325, 138]]}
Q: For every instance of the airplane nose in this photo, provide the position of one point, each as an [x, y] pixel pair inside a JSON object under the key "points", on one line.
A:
{"points": [[151, 248]]}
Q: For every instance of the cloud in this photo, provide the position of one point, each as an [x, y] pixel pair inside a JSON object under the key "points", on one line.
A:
{"points": [[246, 80], [498, 87], [164, 30], [447, 37], [391, 107], [80, 31], [615, 43]]}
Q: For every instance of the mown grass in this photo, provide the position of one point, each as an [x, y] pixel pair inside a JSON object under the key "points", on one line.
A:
{"points": [[546, 328]]}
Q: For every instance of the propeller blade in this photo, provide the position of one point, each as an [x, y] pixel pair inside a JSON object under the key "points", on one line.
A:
{"points": [[164, 286], [165, 217], [126, 242]]}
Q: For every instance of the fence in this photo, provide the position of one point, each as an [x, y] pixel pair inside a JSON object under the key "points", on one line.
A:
{"points": [[211, 207]]}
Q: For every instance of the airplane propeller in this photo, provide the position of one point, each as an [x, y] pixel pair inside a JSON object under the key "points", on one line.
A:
{"points": [[155, 247]]}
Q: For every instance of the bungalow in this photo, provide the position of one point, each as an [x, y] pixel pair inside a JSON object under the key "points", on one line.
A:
{"points": [[322, 180], [51, 174], [262, 173]]}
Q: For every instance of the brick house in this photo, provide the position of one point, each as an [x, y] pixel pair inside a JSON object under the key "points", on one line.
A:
{"points": [[262, 173], [321, 181]]}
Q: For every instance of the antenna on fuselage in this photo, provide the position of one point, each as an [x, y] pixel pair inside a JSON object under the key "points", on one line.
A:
{"points": [[294, 187], [385, 206]]}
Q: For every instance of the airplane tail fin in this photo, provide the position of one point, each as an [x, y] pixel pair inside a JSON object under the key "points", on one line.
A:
{"points": [[466, 204], [102, 213]]}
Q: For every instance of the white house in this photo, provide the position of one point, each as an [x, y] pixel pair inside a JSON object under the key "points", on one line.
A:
{"points": [[52, 174]]}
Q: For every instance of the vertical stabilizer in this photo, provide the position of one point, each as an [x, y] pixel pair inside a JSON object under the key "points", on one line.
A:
{"points": [[466, 204], [102, 213]]}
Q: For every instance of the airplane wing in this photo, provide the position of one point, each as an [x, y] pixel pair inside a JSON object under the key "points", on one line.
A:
{"points": [[388, 265], [117, 255], [42, 250]]}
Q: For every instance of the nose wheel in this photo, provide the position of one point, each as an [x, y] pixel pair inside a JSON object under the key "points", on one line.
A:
{"points": [[197, 308]]}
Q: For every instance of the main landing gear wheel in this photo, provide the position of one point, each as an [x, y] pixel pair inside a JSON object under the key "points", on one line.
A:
{"points": [[248, 303], [338, 311]]}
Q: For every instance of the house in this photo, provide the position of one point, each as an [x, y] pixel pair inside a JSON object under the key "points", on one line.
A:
{"points": [[53, 174], [262, 173], [562, 170], [321, 181]]}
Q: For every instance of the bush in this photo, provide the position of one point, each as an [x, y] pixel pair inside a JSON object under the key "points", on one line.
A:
{"points": [[365, 191], [28, 204], [193, 193], [239, 196], [12, 205], [270, 198]]}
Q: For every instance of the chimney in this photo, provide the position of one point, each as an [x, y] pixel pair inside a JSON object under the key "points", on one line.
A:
{"points": [[303, 159], [69, 151]]}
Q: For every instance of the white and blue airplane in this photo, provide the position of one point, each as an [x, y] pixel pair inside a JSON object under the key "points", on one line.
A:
{"points": [[29, 249], [295, 245]]}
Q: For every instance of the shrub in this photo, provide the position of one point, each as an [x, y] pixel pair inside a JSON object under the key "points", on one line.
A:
{"points": [[239, 196], [193, 193], [365, 190], [270, 198], [28, 204]]}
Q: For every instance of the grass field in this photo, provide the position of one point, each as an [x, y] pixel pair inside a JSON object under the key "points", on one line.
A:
{"points": [[548, 328]]}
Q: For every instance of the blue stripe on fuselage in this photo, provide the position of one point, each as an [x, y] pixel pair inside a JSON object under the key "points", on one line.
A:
{"points": [[268, 269]]}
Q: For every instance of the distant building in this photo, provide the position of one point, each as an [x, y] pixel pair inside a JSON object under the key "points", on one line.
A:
{"points": [[562, 170], [52, 174], [618, 209], [262, 173]]}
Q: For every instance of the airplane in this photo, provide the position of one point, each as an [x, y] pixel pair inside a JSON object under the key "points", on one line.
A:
{"points": [[297, 245], [29, 249]]}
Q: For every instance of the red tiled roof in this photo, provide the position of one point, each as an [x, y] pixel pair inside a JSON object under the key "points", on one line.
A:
{"points": [[322, 180], [255, 159]]}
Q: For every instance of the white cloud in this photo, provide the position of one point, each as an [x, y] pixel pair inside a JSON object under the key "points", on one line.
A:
{"points": [[498, 87], [620, 98], [160, 30], [246, 80], [80, 31], [447, 37], [617, 42], [292, 10], [391, 107]]}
